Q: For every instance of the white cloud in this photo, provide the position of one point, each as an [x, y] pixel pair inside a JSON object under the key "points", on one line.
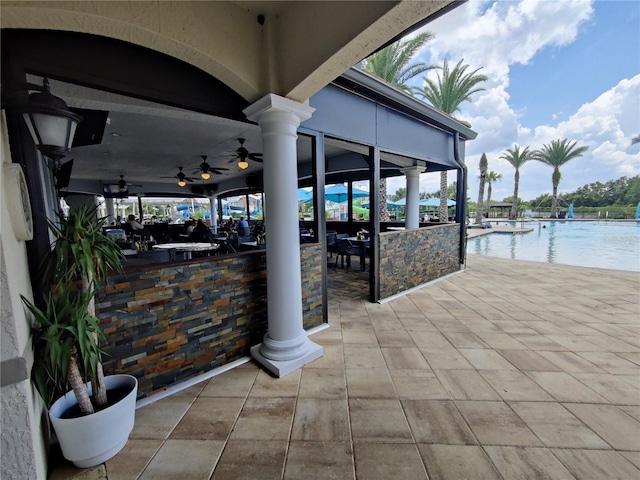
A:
{"points": [[498, 35]]}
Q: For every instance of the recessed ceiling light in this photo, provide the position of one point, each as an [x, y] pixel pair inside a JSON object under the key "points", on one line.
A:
{"points": [[115, 134]]}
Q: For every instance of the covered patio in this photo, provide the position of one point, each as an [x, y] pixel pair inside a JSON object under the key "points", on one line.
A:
{"points": [[211, 98], [474, 376]]}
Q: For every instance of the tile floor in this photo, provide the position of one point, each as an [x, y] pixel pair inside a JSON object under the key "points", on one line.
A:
{"points": [[510, 370]]}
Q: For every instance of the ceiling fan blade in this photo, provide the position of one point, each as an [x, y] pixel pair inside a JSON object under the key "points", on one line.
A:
{"points": [[256, 157]]}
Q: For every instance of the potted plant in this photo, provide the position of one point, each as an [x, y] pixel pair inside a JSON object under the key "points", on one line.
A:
{"points": [[67, 343]]}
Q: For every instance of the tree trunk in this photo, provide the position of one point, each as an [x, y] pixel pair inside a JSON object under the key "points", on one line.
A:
{"points": [[489, 201], [513, 214], [384, 214], [99, 388], [444, 209], [555, 179], [483, 173], [78, 386]]}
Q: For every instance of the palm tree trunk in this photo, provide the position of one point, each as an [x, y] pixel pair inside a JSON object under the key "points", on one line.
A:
{"points": [[488, 200], [384, 214], [79, 389], [514, 204], [555, 179], [444, 209], [99, 387]]}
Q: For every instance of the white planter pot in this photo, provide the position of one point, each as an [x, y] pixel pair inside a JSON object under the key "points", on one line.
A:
{"points": [[93, 439]]}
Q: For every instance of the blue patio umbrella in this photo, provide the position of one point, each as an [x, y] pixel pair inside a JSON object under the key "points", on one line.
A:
{"points": [[637, 211], [570, 212], [366, 204], [340, 193], [435, 202], [304, 195]]}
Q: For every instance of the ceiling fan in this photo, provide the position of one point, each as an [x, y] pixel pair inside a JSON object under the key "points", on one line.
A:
{"points": [[182, 178], [206, 170], [123, 184], [242, 154]]}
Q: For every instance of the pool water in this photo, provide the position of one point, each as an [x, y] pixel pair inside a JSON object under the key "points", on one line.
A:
{"points": [[600, 244]]}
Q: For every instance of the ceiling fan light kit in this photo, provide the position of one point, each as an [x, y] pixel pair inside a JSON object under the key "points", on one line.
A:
{"points": [[243, 164]]}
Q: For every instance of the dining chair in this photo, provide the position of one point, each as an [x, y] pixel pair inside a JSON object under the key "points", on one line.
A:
{"points": [[345, 249], [331, 244]]}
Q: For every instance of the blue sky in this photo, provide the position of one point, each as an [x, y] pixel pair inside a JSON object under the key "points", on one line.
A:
{"points": [[557, 69]]}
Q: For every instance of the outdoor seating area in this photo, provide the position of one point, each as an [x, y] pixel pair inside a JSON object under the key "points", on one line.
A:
{"points": [[465, 378]]}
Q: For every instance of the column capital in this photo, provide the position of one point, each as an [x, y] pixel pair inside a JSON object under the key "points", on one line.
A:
{"points": [[272, 102], [413, 170]]}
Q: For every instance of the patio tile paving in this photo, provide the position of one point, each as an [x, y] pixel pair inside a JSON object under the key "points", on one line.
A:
{"points": [[209, 419], [386, 461], [466, 385], [620, 430], [434, 421], [596, 465], [565, 388], [378, 421], [418, 385], [408, 358], [130, 463], [556, 426], [445, 462], [528, 360], [156, 421], [322, 383], [465, 378], [494, 423], [265, 419], [180, 459], [319, 461], [321, 420], [515, 386], [482, 359], [530, 463], [251, 460]]}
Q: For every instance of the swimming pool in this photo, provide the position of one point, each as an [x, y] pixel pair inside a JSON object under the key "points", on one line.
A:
{"points": [[600, 244]]}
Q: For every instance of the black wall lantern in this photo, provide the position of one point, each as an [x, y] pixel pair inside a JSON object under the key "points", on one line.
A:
{"points": [[51, 124]]}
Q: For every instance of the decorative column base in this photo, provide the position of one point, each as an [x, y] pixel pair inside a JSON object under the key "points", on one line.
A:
{"points": [[309, 352]]}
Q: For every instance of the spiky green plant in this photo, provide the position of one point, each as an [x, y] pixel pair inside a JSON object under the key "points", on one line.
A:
{"points": [[82, 253], [64, 344]]}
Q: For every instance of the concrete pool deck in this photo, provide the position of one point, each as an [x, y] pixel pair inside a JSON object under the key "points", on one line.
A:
{"points": [[511, 369]]}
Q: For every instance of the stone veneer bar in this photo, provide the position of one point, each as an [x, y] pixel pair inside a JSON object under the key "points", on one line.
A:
{"points": [[410, 258], [167, 323]]}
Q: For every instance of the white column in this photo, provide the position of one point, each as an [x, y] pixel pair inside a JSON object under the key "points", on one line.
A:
{"points": [[286, 346], [111, 217], [412, 208], [213, 208]]}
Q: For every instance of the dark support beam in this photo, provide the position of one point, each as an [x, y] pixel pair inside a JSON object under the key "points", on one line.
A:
{"points": [[374, 218]]}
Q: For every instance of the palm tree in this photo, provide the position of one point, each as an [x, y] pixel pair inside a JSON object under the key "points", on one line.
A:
{"points": [[556, 154], [484, 163], [635, 139], [517, 159], [393, 64], [489, 179], [451, 89]]}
